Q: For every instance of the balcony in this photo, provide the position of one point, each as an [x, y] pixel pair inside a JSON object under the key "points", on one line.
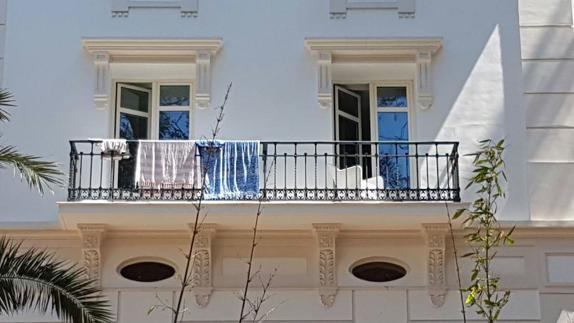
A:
{"points": [[287, 171]]}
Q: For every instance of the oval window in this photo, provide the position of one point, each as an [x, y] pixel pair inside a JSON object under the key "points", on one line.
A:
{"points": [[147, 271], [378, 271]]}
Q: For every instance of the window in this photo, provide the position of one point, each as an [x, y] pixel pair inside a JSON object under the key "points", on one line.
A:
{"points": [[153, 110], [392, 119]]}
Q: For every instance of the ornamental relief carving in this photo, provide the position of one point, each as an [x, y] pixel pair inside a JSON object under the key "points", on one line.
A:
{"points": [[436, 263], [200, 279], [92, 236], [326, 235]]}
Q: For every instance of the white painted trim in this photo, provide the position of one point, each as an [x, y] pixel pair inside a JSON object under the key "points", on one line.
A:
{"points": [[333, 50], [150, 50], [188, 8], [338, 8]]}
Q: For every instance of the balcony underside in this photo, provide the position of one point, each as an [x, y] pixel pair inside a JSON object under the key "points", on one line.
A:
{"points": [[239, 215]]}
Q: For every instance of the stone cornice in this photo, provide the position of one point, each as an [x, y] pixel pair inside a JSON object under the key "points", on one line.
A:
{"points": [[152, 46], [383, 46]]}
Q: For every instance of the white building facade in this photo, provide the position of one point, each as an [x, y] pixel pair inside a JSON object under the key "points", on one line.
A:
{"points": [[362, 113]]}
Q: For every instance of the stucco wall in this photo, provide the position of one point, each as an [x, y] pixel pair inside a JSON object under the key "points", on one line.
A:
{"points": [[547, 52], [525, 268], [476, 76]]}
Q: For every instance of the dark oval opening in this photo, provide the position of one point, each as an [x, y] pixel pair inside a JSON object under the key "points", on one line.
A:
{"points": [[379, 271], [147, 271]]}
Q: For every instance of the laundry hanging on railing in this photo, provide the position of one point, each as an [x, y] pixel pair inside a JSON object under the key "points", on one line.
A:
{"points": [[167, 164], [113, 147], [231, 168]]}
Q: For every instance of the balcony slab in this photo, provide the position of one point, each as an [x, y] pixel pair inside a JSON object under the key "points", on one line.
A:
{"points": [[239, 215]]}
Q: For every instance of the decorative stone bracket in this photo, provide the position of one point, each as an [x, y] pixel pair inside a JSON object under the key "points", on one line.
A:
{"points": [[201, 283], [92, 236], [144, 50], [325, 84], [188, 8], [331, 51], [423, 80], [436, 262], [326, 235], [339, 8]]}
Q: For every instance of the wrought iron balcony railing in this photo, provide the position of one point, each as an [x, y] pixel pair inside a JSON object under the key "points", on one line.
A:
{"points": [[290, 171]]}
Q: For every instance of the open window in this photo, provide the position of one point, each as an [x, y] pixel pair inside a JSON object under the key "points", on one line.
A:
{"points": [[376, 112], [153, 110], [150, 110]]}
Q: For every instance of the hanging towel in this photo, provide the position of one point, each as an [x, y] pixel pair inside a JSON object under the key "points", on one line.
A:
{"points": [[566, 317], [167, 164], [116, 146], [231, 168]]}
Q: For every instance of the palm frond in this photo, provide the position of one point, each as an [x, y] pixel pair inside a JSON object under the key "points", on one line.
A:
{"points": [[35, 280], [6, 100], [37, 173]]}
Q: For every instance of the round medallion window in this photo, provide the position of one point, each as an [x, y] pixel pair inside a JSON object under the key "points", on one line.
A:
{"points": [[147, 271], [378, 271]]}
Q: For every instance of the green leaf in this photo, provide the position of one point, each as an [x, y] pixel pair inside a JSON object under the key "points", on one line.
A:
{"points": [[33, 279], [39, 174], [458, 213]]}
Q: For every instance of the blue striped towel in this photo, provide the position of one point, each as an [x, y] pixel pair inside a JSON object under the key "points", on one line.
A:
{"points": [[231, 168]]}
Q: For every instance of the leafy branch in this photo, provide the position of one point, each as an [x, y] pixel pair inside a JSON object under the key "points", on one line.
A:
{"points": [[486, 234]]}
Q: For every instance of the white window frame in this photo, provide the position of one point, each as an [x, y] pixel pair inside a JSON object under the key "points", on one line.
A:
{"points": [[153, 114], [119, 109], [375, 109], [158, 108]]}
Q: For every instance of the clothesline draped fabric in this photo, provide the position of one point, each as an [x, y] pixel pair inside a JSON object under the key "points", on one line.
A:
{"points": [[231, 168], [167, 164]]}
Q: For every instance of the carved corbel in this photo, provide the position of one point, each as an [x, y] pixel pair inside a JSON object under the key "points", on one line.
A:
{"points": [[325, 84], [120, 8], [201, 284], [436, 261], [92, 236], [189, 8], [423, 79], [102, 81], [326, 235], [203, 67]]}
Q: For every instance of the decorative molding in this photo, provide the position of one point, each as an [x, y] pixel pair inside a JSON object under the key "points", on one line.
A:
{"points": [[143, 50], [325, 85], [326, 234], [436, 261], [375, 50], [92, 236], [423, 80], [201, 282], [203, 89], [338, 8], [187, 8], [102, 81]]}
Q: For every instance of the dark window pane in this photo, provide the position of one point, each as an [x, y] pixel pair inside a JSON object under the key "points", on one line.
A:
{"points": [[134, 99], [174, 125], [147, 271], [133, 127], [392, 97], [379, 271], [174, 95], [393, 160], [348, 131], [348, 103]]}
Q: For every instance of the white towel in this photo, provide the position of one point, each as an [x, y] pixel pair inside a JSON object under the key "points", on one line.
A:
{"points": [[566, 317], [167, 164], [115, 146]]}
